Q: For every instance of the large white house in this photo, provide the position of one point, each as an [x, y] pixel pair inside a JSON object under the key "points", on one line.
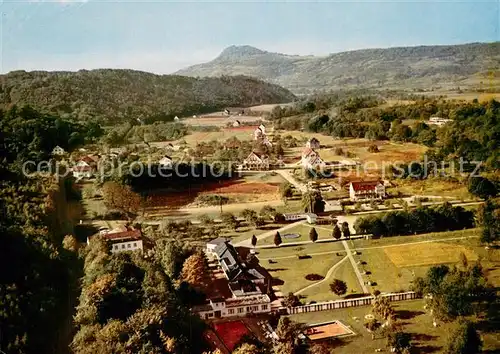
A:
{"points": [[366, 190], [439, 121], [247, 285]]}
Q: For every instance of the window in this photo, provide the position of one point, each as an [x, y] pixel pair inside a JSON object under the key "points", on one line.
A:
{"points": [[129, 245], [123, 247], [230, 311], [210, 314], [135, 244], [264, 307], [255, 308], [240, 309], [115, 247], [249, 309]]}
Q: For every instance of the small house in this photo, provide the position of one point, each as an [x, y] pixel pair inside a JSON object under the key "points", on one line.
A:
{"points": [[256, 161], [236, 123], [313, 143], [123, 238], [58, 151]]}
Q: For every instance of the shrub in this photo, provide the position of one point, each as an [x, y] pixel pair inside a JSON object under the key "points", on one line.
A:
{"points": [[314, 277]]}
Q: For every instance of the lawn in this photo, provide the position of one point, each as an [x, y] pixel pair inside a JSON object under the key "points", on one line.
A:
{"points": [[393, 265], [425, 337], [290, 273], [322, 291], [286, 252]]}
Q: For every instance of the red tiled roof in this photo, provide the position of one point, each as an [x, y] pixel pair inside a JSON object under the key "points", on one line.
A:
{"points": [[129, 234], [82, 168], [364, 185]]}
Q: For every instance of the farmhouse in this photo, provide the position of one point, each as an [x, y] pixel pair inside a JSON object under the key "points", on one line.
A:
{"points": [[311, 159], [313, 143], [58, 151], [247, 285], [122, 238], [236, 123], [366, 190], [256, 161]]}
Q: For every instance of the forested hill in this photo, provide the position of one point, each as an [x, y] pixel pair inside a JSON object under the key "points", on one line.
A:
{"points": [[420, 67], [115, 95]]}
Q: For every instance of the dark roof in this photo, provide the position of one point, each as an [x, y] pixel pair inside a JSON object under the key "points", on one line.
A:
{"points": [[218, 241], [231, 265], [365, 185]]}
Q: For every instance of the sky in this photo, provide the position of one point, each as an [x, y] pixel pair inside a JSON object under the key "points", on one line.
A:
{"points": [[165, 36]]}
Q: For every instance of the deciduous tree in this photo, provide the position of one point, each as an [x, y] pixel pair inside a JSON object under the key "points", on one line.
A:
{"points": [[313, 235], [338, 287]]}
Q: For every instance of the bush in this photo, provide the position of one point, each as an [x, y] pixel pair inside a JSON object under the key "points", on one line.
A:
{"points": [[212, 199], [373, 148], [314, 277]]}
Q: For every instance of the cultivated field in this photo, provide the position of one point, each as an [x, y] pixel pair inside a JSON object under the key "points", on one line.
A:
{"points": [[431, 187]]}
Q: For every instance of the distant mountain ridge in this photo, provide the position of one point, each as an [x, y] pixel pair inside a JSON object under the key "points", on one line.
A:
{"points": [[115, 95], [369, 68]]}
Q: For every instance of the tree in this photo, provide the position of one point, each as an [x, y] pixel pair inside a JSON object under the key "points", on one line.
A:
{"points": [[267, 211], [345, 230], [289, 332], [254, 240], [338, 287], [247, 348], [398, 340], [121, 197], [313, 235], [464, 340], [230, 220], [383, 308], [373, 148], [205, 219], [195, 271], [488, 216], [290, 300], [286, 191], [70, 243], [482, 187], [249, 215], [277, 239], [336, 233]]}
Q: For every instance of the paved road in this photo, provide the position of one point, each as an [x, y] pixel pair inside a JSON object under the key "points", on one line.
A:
{"points": [[301, 187], [327, 276], [356, 269]]}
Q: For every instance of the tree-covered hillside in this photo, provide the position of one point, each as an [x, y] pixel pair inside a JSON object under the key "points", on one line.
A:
{"points": [[118, 95], [421, 67]]}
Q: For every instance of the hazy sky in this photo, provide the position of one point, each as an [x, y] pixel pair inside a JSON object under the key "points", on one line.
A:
{"points": [[163, 36]]}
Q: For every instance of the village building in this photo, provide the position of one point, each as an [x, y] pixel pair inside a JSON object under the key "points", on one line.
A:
{"points": [[313, 143], [58, 151], [310, 217], [311, 159], [176, 119], [366, 190], [256, 161], [86, 167], [248, 286], [236, 123], [123, 238], [439, 121]]}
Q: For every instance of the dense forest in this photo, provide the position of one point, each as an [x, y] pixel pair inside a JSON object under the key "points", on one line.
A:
{"points": [[127, 95]]}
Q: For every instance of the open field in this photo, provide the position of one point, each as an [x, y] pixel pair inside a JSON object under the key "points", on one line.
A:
{"points": [[428, 254], [429, 186], [425, 337], [217, 119]]}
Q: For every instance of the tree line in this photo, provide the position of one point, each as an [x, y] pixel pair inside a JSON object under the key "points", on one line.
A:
{"points": [[417, 221]]}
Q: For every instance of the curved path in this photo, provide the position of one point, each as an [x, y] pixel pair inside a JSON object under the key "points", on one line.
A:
{"points": [[327, 276]]}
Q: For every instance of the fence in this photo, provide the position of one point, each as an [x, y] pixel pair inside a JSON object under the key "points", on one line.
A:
{"points": [[339, 304]]}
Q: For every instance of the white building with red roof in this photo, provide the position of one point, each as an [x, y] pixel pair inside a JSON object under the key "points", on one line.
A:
{"points": [[123, 238], [311, 159], [366, 190]]}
